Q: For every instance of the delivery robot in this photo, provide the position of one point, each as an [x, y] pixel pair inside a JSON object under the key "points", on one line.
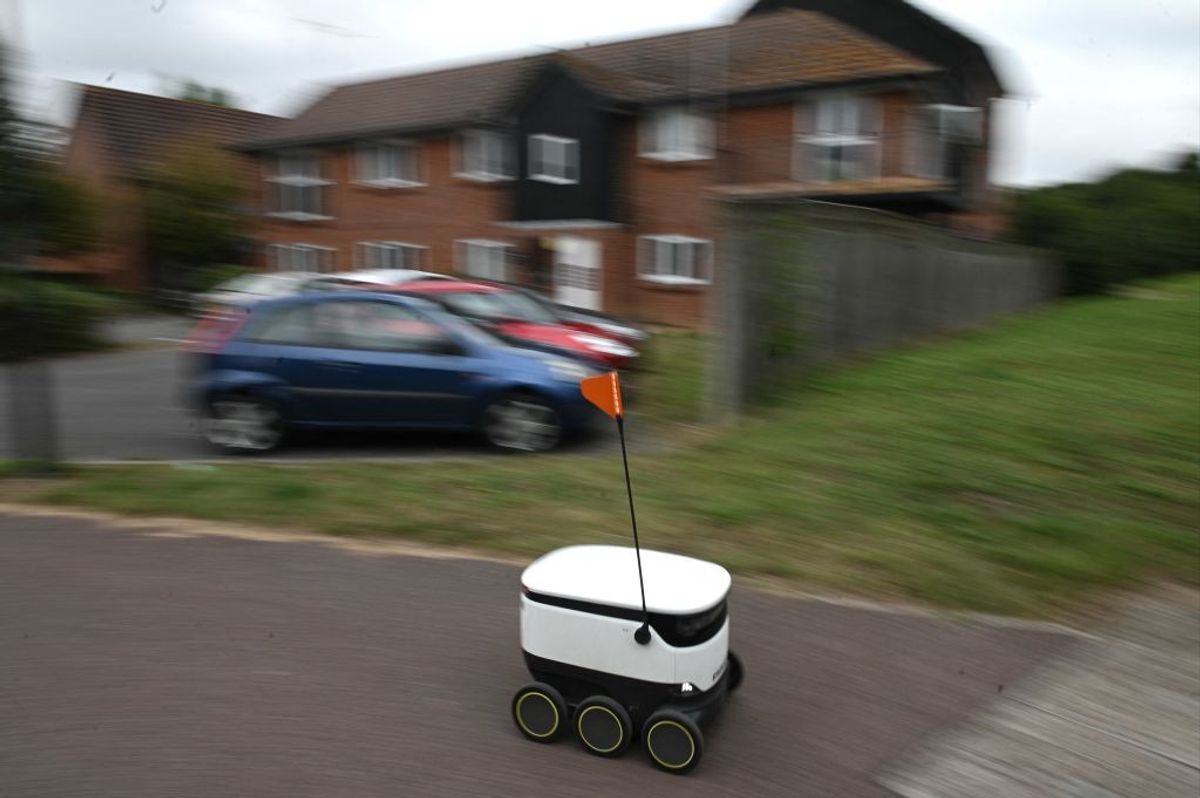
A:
{"points": [[625, 644]]}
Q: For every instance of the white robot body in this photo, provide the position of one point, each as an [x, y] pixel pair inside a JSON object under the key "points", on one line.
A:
{"points": [[606, 644], [581, 612], [581, 606]]}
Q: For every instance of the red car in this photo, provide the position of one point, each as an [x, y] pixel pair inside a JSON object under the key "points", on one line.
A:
{"points": [[513, 315]]}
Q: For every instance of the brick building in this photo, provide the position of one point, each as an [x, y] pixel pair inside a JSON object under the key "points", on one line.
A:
{"points": [[590, 172]]}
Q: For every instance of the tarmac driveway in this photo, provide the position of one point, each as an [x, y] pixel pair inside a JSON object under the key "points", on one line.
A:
{"points": [[158, 662]]}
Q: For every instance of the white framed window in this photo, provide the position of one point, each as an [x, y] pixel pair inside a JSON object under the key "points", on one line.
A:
{"points": [[485, 155], [936, 136], [296, 187], [487, 260], [842, 139], [300, 258], [675, 259], [553, 159], [390, 164], [676, 134], [390, 255]]}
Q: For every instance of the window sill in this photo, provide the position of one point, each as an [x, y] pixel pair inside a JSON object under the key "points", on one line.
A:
{"points": [[389, 184], [828, 181], [298, 216], [675, 157], [475, 177], [299, 182], [557, 181], [672, 281]]}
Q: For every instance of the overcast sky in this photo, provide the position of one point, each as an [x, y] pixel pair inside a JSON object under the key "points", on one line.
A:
{"points": [[1100, 83]]}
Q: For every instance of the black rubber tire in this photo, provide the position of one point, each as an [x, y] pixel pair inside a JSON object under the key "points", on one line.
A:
{"points": [[737, 672], [500, 432], [212, 416], [603, 726], [673, 741], [540, 712]]}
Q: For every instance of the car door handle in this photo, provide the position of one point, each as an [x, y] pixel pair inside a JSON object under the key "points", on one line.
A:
{"points": [[338, 364]]}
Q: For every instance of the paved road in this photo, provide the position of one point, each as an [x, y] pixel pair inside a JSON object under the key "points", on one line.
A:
{"points": [[143, 664], [128, 405]]}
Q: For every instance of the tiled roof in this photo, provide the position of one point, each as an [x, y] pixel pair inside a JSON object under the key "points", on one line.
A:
{"points": [[136, 129], [780, 50]]}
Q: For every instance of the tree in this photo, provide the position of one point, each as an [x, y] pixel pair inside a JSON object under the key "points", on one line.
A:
{"points": [[1189, 164], [40, 211], [192, 214], [64, 218], [15, 192], [198, 92], [1132, 224]]}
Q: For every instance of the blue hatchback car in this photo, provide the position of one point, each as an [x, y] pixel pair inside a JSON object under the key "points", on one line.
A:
{"points": [[376, 361]]}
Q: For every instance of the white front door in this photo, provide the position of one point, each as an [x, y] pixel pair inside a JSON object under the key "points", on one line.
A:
{"points": [[577, 272]]}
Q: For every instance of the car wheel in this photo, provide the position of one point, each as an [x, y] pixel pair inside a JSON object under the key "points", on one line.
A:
{"points": [[522, 423], [243, 424]]}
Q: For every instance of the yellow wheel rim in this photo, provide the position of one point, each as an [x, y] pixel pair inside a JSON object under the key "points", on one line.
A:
{"points": [[686, 733], [611, 714], [521, 721]]}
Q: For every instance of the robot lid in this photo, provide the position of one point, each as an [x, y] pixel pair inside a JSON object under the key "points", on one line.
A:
{"points": [[675, 585]]}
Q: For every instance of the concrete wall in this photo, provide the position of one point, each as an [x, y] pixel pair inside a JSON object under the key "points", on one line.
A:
{"points": [[803, 283]]}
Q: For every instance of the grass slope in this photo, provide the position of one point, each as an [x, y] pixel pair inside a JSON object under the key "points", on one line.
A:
{"points": [[1013, 470]]}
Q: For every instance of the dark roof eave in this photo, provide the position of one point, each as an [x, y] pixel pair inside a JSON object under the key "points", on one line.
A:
{"points": [[343, 137], [936, 195]]}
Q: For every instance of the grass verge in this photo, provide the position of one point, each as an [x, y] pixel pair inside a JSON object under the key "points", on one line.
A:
{"points": [[1015, 470]]}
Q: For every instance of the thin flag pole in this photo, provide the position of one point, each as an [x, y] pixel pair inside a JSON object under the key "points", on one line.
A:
{"points": [[604, 391], [643, 633]]}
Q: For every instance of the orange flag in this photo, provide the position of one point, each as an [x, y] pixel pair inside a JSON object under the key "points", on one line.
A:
{"points": [[604, 392]]}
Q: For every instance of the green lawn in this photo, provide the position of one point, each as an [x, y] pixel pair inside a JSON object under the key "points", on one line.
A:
{"points": [[1015, 470]]}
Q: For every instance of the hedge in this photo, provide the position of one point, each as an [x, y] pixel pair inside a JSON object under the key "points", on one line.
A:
{"points": [[40, 319]]}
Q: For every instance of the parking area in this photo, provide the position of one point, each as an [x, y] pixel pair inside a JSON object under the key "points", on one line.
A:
{"points": [[128, 404]]}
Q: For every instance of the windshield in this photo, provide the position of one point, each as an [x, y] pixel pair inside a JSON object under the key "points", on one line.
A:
{"points": [[469, 331], [498, 306]]}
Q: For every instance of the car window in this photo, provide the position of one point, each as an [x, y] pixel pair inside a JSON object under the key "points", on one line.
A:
{"points": [[479, 306], [292, 325], [326, 284], [498, 306], [470, 331], [378, 326], [520, 306]]}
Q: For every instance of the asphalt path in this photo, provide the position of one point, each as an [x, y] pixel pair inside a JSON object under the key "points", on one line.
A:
{"points": [[130, 405], [155, 662]]}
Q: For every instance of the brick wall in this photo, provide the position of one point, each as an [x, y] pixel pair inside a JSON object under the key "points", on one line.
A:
{"points": [[435, 215], [665, 198], [759, 143], [895, 108], [656, 198]]}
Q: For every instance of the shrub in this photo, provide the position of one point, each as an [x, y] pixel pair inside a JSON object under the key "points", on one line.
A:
{"points": [[1131, 225], [213, 276], [39, 319]]}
